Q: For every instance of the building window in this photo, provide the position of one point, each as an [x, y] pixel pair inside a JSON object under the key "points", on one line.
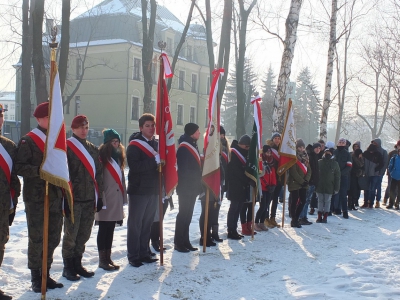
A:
{"points": [[12, 117], [192, 117], [179, 119], [194, 83], [135, 108], [78, 68], [136, 68], [206, 118], [208, 86], [189, 52], [12, 106], [77, 105], [182, 80]]}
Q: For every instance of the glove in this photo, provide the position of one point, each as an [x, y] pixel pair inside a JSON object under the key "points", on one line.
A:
{"points": [[157, 158], [99, 204], [12, 215], [305, 183]]}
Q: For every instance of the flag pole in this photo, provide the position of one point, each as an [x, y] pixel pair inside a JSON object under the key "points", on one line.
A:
{"points": [[205, 232], [253, 206], [284, 200]]}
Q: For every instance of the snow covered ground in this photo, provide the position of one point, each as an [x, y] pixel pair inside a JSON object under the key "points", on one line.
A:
{"points": [[357, 258]]}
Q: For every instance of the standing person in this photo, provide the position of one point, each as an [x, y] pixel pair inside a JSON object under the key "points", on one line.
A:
{"points": [[314, 199], [86, 173], [238, 183], [328, 185], [356, 172], [143, 190], [373, 162], [313, 154], [10, 188], [378, 185], [112, 157], [389, 179], [343, 158], [189, 185], [274, 143], [394, 170], [28, 160], [299, 176], [268, 184]]}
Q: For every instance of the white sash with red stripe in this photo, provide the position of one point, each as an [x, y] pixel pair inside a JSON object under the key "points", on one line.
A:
{"points": [[192, 150], [275, 154], [87, 161], [145, 147], [239, 155], [6, 164], [116, 173], [38, 137], [302, 166], [225, 156]]}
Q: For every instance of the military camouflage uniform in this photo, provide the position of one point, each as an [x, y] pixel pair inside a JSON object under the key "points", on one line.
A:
{"points": [[77, 234], [5, 201], [27, 164]]}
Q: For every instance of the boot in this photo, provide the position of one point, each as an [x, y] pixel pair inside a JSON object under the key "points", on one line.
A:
{"points": [[272, 221], [36, 279], [396, 204], [268, 223], [325, 219], [51, 283], [233, 235], [319, 219], [108, 251], [4, 296], [295, 224], [257, 226], [263, 227], [384, 201], [103, 261], [353, 207], [69, 270], [80, 269], [209, 242], [249, 226], [345, 215], [215, 235], [377, 204], [245, 229], [365, 205], [304, 221], [312, 210]]}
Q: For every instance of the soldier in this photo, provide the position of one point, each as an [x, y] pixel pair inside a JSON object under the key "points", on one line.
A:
{"points": [[10, 188], [27, 164], [86, 174]]}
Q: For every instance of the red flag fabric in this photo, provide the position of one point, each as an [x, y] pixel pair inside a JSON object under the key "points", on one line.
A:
{"points": [[166, 142], [212, 142]]}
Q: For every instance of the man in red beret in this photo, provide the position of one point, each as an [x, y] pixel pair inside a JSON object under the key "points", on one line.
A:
{"points": [[28, 160], [86, 174]]}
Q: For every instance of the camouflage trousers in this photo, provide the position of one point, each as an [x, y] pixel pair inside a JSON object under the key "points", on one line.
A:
{"points": [[4, 232], [78, 233], [34, 218]]}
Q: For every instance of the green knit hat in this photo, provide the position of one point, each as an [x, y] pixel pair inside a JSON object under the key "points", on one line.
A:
{"points": [[110, 134]]}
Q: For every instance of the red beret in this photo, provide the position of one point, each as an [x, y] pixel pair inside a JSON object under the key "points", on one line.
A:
{"points": [[78, 121], [42, 110]]}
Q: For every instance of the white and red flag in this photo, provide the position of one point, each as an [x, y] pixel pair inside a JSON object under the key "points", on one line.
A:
{"points": [[256, 100], [164, 129], [54, 168], [287, 149], [212, 142]]}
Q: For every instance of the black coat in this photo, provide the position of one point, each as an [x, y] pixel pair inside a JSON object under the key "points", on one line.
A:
{"points": [[314, 166], [189, 169], [238, 182], [143, 173]]}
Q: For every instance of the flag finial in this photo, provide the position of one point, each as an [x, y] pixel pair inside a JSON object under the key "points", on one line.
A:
{"points": [[162, 45], [53, 37]]}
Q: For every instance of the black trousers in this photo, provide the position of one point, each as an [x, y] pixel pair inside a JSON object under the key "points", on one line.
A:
{"points": [[297, 203], [184, 218], [233, 214], [246, 213], [105, 235], [274, 201], [213, 212], [155, 227]]}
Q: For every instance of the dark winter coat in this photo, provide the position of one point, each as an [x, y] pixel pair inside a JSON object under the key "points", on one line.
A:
{"points": [[343, 158], [357, 169], [297, 178], [313, 157], [330, 176], [238, 182], [143, 177], [373, 161], [385, 157], [189, 169]]}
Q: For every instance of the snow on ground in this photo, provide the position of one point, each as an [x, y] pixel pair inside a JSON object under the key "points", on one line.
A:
{"points": [[357, 258]]}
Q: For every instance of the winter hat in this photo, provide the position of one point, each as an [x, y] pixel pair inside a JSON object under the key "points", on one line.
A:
{"points": [[330, 144], [358, 143], [221, 130], [78, 121], [316, 145], [398, 143], [275, 134], [42, 110], [300, 143], [191, 128], [372, 148], [245, 140], [342, 140], [321, 142], [357, 152], [110, 134], [328, 150], [266, 148]]}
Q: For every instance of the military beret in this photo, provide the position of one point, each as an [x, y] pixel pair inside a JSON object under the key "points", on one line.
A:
{"points": [[42, 110], [78, 121]]}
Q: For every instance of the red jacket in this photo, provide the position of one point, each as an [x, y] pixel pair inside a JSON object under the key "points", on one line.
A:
{"points": [[269, 178]]}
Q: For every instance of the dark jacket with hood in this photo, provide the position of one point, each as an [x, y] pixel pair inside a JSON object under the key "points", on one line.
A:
{"points": [[343, 158], [385, 157], [313, 158], [189, 169], [143, 172], [238, 182], [373, 161]]}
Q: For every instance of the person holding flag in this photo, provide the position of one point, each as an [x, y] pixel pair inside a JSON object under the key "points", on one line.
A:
{"points": [[10, 188]]}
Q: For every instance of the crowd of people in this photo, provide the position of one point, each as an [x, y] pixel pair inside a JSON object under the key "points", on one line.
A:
{"points": [[326, 178]]}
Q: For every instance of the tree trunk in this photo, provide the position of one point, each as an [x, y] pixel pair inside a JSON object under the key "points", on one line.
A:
{"points": [[37, 53], [210, 46], [26, 59], [292, 22], [323, 132], [64, 44], [147, 52]]}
